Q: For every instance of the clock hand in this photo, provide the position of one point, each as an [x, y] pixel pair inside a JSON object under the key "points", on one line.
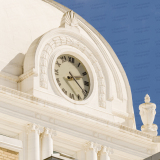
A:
{"points": [[69, 85], [77, 83], [76, 77]]}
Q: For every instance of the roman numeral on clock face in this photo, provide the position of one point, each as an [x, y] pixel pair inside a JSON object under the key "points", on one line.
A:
{"points": [[71, 77], [71, 59], [63, 58], [84, 73], [64, 91], [79, 97], [71, 96], [86, 83], [58, 81], [56, 72], [58, 64]]}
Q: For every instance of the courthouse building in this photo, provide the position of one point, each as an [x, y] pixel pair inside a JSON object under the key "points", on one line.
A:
{"points": [[63, 91]]}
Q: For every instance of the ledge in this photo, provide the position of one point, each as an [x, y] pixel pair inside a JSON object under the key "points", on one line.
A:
{"points": [[9, 77], [29, 98], [10, 143]]}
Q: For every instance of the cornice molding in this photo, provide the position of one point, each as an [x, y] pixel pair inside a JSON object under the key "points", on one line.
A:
{"points": [[121, 114], [27, 74], [35, 100], [9, 77], [17, 79]]}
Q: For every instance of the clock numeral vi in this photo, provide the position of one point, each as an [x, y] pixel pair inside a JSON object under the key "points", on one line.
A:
{"points": [[86, 83], [71, 59], [64, 91]]}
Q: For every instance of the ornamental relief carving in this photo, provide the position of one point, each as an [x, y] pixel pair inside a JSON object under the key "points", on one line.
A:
{"points": [[66, 40]]}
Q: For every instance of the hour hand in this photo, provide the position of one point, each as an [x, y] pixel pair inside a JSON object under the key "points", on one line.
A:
{"points": [[76, 77], [78, 84]]}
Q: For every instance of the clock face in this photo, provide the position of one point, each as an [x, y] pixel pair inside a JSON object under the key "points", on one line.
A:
{"points": [[72, 77]]}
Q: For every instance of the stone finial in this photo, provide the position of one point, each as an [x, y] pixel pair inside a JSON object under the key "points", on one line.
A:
{"points": [[147, 99], [70, 21], [147, 113]]}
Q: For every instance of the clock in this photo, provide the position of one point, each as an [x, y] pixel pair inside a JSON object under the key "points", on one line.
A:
{"points": [[72, 77]]}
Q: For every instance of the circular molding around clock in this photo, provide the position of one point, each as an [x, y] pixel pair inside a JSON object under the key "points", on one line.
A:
{"points": [[63, 84]]}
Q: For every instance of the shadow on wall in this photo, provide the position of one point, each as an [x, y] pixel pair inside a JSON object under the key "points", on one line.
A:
{"points": [[15, 66], [154, 157]]}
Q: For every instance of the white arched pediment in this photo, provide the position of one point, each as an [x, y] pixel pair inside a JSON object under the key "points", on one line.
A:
{"points": [[112, 84], [39, 55]]}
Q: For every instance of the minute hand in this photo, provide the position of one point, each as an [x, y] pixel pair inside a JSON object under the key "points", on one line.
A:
{"points": [[77, 83]]}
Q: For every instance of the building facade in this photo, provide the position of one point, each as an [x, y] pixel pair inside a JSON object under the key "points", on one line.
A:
{"points": [[63, 91]]}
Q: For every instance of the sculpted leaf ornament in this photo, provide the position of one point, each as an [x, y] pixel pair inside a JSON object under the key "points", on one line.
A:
{"points": [[70, 21]]}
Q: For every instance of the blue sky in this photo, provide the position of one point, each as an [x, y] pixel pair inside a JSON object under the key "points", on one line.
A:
{"points": [[132, 28]]}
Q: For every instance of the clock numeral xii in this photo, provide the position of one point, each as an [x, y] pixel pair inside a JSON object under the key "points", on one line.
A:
{"points": [[63, 58], [71, 59]]}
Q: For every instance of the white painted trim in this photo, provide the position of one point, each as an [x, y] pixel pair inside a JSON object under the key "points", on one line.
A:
{"points": [[11, 143]]}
